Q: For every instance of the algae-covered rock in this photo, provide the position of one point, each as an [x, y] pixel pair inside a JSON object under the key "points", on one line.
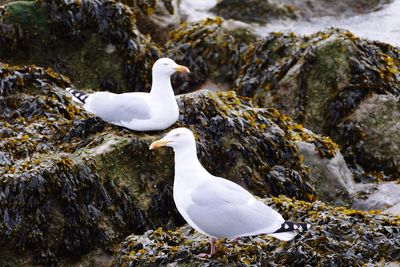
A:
{"points": [[71, 183], [247, 146], [322, 82], [264, 11], [338, 237], [148, 7], [95, 43], [159, 19], [211, 49], [53, 203]]}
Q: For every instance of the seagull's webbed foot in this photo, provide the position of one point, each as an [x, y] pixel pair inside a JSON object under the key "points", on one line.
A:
{"points": [[204, 255], [213, 249], [234, 239]]}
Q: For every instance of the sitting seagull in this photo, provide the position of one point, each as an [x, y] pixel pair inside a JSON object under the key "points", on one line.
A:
{"points": [[215, 206], [137, 111]]}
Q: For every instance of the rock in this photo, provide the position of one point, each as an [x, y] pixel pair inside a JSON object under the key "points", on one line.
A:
{"points": [[53, 202], [159, 19], [342, 8], [395, 210], [325, 82], [377, 196], [212, 49], [338, 236], [279, 130], [71, 183], [143, 7], [330, 176], [371, 131], [95, 43], [264, 11], [254, 10]]}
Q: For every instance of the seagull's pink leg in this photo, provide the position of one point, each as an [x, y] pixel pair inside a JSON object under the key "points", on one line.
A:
{"points": [[213, 249], [213, 246]]}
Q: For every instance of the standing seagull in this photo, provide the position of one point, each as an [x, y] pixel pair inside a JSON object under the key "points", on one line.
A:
{"points": [[215, 206], [152, 111]]}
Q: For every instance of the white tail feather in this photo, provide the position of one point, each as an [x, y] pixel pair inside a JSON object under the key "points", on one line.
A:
{"points": [[285, 236]]}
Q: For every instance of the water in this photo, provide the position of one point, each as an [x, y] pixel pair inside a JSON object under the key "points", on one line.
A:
{"points": [[197, 9], [382, 25]]}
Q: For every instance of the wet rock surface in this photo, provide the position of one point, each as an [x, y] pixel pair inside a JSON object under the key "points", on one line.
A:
{"points": [[330, 176], [264, 11], [338, 236], [254, 10], [379, 196]]}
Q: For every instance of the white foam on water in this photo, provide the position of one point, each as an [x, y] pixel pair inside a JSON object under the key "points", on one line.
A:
{"points": [[382, 25], [197, 9]]}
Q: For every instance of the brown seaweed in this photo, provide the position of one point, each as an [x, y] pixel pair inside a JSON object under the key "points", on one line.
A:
{"points": [[338, 237]]}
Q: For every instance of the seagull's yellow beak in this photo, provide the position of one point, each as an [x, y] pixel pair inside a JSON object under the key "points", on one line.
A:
{"points": [[181, 68], [158, 143]]}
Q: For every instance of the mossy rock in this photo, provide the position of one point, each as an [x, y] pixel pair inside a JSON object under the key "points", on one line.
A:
{"points": [[338, 237], [320, 81], [212, 51], [70, 183], [95, 43]]}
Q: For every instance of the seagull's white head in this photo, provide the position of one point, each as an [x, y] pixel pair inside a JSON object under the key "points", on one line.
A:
{"points": [[176, 138], [166, 66]]}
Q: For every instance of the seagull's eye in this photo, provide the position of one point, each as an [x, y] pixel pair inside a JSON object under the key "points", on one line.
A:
{"points": [[165, 64], [178, 134]]}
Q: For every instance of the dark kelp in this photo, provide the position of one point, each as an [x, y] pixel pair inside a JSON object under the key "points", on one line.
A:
{"points": [[338, 237]]}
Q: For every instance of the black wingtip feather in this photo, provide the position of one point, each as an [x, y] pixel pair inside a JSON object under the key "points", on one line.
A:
{"points": [[293, 226], [81, 96]]}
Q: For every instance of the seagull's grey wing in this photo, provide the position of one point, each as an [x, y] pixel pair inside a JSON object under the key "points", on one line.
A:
{"points": [[119, 107], [221, 208]]}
